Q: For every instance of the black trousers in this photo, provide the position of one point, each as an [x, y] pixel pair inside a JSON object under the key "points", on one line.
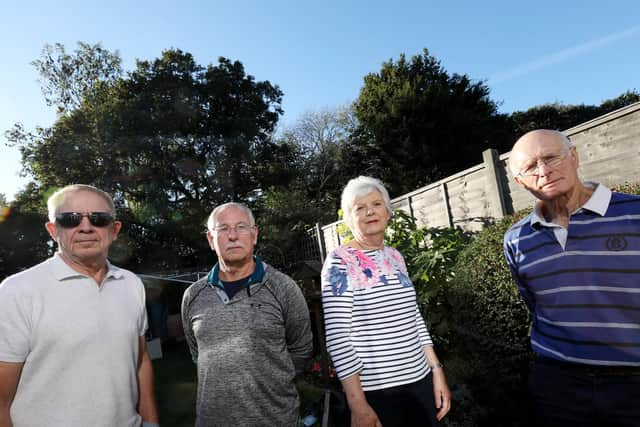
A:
{"points": [[410, 405], [567, 395]]}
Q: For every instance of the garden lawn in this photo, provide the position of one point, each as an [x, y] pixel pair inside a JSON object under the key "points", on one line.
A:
{"points": [[175, 384]]}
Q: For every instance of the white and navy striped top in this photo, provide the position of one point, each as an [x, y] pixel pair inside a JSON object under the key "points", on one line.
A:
{"points": [[583, 292], [372, 322]]}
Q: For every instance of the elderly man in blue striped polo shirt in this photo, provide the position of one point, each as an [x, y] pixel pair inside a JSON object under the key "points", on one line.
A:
{"points": [[576, 262]]}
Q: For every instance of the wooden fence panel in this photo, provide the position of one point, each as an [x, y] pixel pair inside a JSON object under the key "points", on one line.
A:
{"points": [[469, 201], [428, 208]]}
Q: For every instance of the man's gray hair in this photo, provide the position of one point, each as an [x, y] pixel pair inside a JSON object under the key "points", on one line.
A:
{"points": [[58, 198], [360, 187], [211, 222]]}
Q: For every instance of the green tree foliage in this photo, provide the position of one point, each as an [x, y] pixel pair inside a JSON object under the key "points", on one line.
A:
{"points": [[168, 141], [23, 238], [488, 350], [420, 124], [319, 138], [561, 117], [430, 255], [627, 98], [311, 153], [489, 345], [67, 80]]}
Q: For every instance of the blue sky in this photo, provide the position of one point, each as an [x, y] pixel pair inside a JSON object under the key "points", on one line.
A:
{"points": [[529, 53]]}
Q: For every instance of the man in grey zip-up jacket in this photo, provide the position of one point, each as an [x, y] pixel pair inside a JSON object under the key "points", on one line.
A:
{"points": [[247, 326]]}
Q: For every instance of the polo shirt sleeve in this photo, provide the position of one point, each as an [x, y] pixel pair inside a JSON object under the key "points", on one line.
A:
{"points": [[15, 326], [143, 323]]}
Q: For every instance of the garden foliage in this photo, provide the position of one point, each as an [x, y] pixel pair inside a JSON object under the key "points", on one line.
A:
{"points": [[475, 315], [468, 297], [489, 344], [430, 255]]}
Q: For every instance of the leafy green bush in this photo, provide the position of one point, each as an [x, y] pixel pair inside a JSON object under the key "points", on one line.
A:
{"points": [[488, 351], [430, 254], [489, 345], [628, 187]]}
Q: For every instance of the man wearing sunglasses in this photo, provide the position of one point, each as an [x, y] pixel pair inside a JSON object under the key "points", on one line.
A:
{"points": [[72, 347], [247, 326], [576, 262]]}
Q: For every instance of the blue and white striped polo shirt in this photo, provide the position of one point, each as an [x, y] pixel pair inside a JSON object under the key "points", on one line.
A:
{"points": [[584, 296]]}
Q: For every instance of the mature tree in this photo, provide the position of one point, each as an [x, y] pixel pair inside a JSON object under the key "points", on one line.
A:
{"points": [[627, 98], [320, 136], [422, 124], [68, 79], [23, 238], [561, 117], [312, 152], [169, 141]]}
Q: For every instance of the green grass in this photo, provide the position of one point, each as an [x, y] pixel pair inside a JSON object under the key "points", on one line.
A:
{"points": [[175, 384]]}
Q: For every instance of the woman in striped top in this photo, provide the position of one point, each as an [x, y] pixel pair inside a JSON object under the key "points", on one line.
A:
{"points": [[376, 336]]}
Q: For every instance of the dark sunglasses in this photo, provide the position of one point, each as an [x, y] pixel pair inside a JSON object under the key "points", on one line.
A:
{"points": [[73, 219]]}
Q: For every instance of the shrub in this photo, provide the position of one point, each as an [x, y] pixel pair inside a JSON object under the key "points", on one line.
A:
{"points": [[628, 187], [489, 350], [430, 254]]}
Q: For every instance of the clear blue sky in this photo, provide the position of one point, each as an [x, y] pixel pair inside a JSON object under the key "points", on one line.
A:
{"points": [[529, 53]]}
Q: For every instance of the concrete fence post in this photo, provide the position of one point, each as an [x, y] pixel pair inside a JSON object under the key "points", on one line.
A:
{"points": [[496, 193], [445, 203]]}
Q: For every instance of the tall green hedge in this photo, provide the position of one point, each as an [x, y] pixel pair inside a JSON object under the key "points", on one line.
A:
{"points": [[488, 344], [487, 347]]}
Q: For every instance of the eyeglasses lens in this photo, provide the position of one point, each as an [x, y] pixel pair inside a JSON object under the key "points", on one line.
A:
{"points": [[550, 162], [240, 228]]}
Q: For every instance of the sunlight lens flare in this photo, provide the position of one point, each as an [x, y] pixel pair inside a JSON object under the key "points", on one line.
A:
{"points": [[5, 211]]}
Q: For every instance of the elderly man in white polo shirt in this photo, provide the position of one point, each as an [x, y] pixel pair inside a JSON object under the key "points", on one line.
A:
{"points": [[72, 347]]}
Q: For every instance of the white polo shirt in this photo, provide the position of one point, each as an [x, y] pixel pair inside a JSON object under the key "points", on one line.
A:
{"points": [[78, 342]]}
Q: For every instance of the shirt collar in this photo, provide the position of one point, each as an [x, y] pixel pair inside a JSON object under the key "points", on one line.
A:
{"points": [[599, 200], [597, 203], [62, 270], [256, 277]]}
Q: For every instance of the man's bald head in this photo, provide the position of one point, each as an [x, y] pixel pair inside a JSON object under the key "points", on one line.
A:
{"points": [[527, 143]]}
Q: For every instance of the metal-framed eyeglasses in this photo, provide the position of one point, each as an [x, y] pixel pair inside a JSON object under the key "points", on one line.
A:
{"points": [[240, 228], [552, 161]]}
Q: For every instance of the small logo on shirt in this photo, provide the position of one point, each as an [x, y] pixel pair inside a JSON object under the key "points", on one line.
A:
{"points": [[616, 243]]}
